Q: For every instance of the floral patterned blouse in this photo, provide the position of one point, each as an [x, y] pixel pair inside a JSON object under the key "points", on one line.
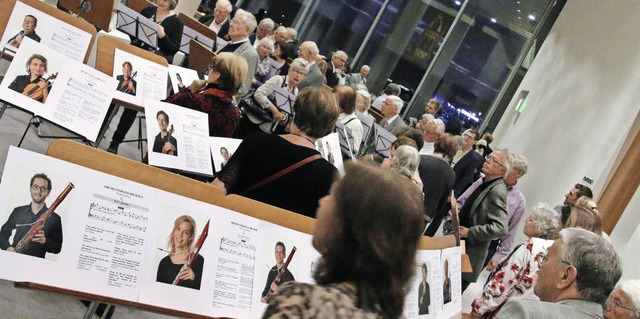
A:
{"points": [[516, 278], [300, 300]]}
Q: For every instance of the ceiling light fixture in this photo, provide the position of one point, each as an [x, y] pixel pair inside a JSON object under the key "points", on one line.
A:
{"points": [[532, 17], [493, 20]]}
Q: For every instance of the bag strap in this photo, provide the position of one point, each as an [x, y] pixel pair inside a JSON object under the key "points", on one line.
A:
{"points": [[501, 264], [284, 172], [350, 120]]}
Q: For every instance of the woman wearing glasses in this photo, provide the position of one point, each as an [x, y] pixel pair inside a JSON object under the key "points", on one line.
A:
{"points": [[624, 301], [215, 95], [517, 274]]}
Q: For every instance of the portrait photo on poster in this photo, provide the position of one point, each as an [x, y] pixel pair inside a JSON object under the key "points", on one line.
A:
{"points": [[222, 148]]}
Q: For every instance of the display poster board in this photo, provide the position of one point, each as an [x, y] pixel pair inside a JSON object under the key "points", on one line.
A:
{"points": [[181, 77], [66, 92], [180, 137], [138, 79], [221, 150], [329, 148], [27, 22]]}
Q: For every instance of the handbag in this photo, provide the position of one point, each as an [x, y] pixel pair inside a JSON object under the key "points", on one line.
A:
{"points": [[251, 107]]}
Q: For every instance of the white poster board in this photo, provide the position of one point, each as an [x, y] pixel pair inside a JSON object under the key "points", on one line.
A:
{"points": [[181, 77], [148, 80], [221, 150]]}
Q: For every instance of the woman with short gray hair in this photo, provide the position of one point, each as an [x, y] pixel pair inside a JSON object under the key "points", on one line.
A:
{"points": [[624, 301], [517, 274], [264, 71]]}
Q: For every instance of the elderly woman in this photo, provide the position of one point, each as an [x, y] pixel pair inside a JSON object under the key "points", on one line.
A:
{"points": [[179, 244], [368, 242], [264, 69], [286, 170], [266, 96], [282, 52], [518, 273], [169, 32], [346, 97], [624, 301], [363, 102], [405, 161], [215, 95]]}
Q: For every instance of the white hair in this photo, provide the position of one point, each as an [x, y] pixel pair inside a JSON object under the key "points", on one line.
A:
{"points": [[267, 41], [268, 23], [248, 20], [225, 4], [366, 96], [406, 160], [397, 101], [631, 288]]}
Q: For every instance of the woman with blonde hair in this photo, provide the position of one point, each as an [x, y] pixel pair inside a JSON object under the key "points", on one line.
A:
{"points": [[179, 244], [214, 96]]}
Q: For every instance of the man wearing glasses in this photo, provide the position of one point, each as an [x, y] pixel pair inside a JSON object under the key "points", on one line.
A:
{"points": [[334, 71], [47, 240], [576, 276], [483, 216]]}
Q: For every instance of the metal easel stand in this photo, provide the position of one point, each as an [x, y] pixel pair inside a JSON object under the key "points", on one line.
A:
{"points": [[140, 139], [36, 121]]}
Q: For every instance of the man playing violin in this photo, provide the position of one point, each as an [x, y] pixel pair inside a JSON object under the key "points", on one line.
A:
{"points": [[126, 83], [165, 143], [36, 67]]}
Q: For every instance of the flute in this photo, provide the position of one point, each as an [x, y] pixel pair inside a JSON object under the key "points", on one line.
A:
{"points": [[281, 273], [23, 244], [194, 252]]}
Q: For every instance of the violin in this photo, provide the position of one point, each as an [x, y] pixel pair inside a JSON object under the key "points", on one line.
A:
{"points": [[35, 91], [125, 84], [166, 149]]}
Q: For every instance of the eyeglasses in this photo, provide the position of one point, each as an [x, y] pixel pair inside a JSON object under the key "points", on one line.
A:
{"points": [[494, 160], [299, 72], [613, 302], [43, 189], [543, 257]]}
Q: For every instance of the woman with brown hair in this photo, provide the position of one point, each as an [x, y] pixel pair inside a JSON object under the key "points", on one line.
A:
{"points": [[179, 244], [286, 170], [215, 95], [368, 242]]}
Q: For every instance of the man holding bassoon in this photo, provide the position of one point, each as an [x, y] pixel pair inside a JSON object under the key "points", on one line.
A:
{"points": [[48, 239]]}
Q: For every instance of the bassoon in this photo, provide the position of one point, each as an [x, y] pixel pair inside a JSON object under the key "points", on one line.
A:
{"points": [[23, 244], [194, 252], [281, 273]]}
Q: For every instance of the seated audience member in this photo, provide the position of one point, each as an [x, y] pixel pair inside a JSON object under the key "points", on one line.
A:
{"points": [[391, 89], [292, 35], [624, 301], [219, 20], [346, 97], [214, 96], [577, 274], [334, 71], [264, 69], [322, 66], [437, 176], [282, 53], [516, 275], [281, 34], [368, 242], [363, 102], [265, 95], [251, 169], [264, 30], [355, 79], [572, 196], [392, 120]]}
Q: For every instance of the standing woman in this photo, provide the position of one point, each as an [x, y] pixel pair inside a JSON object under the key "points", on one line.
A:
{"points": [[368, 242], [180, 243], [169, 34], [215, 95]]}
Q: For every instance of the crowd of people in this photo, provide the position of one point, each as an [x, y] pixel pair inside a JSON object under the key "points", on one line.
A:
{"points": [[565, 268]]}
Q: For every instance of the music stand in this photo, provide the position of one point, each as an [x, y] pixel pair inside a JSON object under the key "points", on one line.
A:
{"points": [[137, 25], [345, 136], [98, 12], [200, 56], [196, 31], [284, 100], [383, 140]]}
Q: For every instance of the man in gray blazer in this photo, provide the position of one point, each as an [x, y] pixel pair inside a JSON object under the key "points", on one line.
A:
{"points": [[576, 276], [308, 50], [391, 110], [240, 27], [483, 216]]}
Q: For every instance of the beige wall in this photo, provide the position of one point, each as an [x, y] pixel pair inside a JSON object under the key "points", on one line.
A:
{"points": [[583, 103]]}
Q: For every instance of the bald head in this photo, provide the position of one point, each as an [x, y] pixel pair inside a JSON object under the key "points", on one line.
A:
{"points": [[308, 51]]}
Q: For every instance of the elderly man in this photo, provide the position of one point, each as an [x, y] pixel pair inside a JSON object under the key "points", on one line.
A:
{"points": [[624, 301], [309, 51], [219, 20], [499, 249], [243, 24], [431, 129], [391, 89], [572, 196], [264, 29], [391, 110], [576, 276], [334, 69], [484, 216], [466, 163], [355, 79], [29, 25]]}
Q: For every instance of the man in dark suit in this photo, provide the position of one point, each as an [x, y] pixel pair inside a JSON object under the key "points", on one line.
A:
{"points": [[309, 51], [391, 110], [219, 20], [334, 69], [466, 163], [483, 216]]}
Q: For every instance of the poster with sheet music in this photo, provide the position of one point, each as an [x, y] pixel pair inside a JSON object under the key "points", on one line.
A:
{"points": [[329, 148], [222, 148], [178, 137], [138, 79], [27, 22], [48, 84], [181, 77]]}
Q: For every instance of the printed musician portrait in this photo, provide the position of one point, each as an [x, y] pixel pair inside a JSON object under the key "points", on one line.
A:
{"points": [[280, 253], [165, 143]]}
